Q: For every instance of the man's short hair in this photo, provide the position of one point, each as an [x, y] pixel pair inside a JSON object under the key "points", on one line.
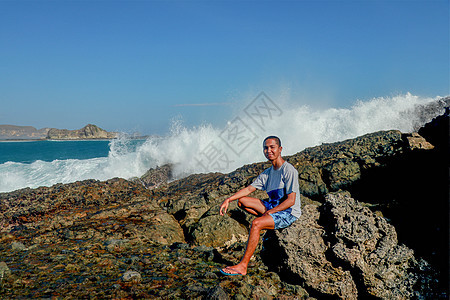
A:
{"points": [[272, 137]]}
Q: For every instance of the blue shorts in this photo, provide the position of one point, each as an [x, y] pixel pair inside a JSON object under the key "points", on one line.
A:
{"points": [[282, 219]]}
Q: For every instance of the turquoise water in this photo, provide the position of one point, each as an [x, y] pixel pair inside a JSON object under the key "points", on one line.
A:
{"points": [[28, 152], [44, 163]]}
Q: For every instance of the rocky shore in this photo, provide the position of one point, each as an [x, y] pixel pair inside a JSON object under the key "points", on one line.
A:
{"points": [[374, 226]]}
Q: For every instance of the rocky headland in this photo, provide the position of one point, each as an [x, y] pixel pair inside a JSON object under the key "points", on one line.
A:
{"points": [[374, 226], [88, 132]]}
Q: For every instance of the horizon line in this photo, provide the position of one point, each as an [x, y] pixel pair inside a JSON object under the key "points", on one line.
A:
{"points": [[203, 104]]}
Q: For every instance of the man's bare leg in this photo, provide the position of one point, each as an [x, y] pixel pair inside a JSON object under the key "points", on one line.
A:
{"points": [[264, 222], [252, 206]]}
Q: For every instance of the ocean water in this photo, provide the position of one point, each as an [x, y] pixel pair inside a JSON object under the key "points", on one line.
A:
{"points": [[31, 151], [206, 148]]}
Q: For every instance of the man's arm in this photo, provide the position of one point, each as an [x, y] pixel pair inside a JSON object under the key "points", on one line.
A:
{"points": [[241, 193], [290, 200]]}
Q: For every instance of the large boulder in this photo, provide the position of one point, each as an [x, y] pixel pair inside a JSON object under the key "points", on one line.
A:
{"points": [[150, 223], [155, 177], [368, 245], [301, 256], [218, 231]]}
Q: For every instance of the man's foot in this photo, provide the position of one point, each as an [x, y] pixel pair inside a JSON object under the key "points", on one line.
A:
{"points": [[228, 272], [234, 270]]}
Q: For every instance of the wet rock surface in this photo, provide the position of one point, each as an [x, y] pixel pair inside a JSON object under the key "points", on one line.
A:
{"points": [[119, 239], [115, 209], [77, 269]]}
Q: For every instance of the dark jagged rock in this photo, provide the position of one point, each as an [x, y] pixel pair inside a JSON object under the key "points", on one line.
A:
{"points": [[299, 254], [368, 246], [437, 131], [331, 167], [155, 177], [426, 112], [346, 251], [411, 189]]}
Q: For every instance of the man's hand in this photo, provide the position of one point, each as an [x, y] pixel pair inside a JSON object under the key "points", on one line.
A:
{"points": [[224, 207], [242, 193]]}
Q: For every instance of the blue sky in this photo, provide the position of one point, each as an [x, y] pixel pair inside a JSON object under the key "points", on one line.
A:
{"points": [[137, 65]]}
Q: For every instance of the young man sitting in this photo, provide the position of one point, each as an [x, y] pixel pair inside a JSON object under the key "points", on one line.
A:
{"points": [[280, 181]]}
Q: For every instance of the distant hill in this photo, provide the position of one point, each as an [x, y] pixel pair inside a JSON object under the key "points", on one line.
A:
{"points": [[90, 131], [13, 132]]}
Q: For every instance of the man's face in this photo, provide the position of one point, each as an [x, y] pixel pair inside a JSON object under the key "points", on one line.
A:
{"points": [[271, 149]]}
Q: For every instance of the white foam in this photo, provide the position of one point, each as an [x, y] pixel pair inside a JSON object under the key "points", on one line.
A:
{"points": [[298, 126]]}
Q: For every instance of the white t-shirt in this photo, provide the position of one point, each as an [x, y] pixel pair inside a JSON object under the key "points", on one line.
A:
{"points": [[278, 184]]}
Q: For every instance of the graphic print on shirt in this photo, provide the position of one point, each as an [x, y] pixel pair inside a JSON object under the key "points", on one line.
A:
{"points": [[276, 197]]}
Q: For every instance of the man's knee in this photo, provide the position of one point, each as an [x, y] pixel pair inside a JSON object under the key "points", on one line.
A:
{"points": [[263, 222], [241, 203], [257, 223]]}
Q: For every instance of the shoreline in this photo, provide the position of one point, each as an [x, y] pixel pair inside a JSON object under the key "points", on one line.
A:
{"points": [[21, 140], [45, 140]]}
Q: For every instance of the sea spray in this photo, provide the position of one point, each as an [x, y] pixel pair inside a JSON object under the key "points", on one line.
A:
{"points": [[298, 126]]}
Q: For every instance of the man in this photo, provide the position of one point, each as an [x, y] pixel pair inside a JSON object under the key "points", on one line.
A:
{"points": [[280, 181]]}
